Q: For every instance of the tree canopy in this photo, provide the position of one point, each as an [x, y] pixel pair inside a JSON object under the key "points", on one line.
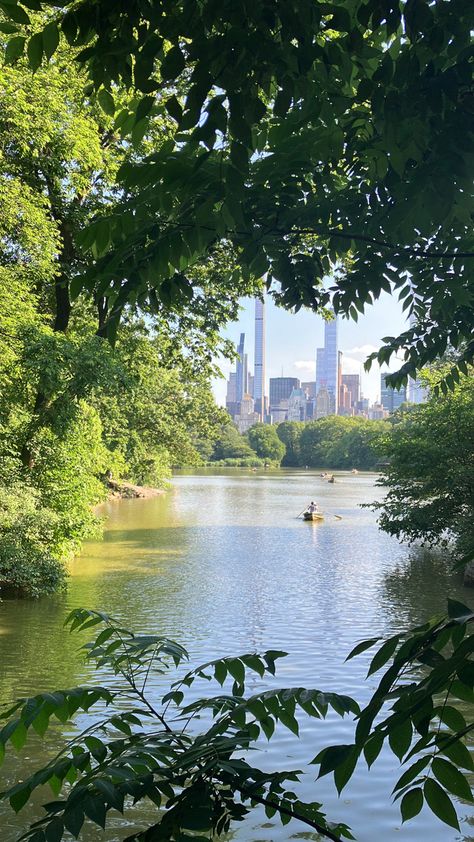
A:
{"points": [[429, 470], [311, 139]]}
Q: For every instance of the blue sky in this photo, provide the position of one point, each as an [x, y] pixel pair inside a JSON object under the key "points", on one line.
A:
{"points": [[292, 339]]}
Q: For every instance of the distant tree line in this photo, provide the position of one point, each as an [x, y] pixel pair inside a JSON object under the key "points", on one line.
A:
{"points": [[333, 442]]}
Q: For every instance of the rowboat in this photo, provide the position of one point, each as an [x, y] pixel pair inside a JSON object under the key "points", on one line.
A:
{"points": [[313, 516]]}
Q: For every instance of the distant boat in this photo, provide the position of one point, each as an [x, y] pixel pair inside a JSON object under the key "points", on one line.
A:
{"points": [[331, 479], [313, 516], [354, 471]]}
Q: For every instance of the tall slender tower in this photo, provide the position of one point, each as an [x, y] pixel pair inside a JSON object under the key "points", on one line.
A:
{"points": [[241, 373], [259, 373], [328, 367]]}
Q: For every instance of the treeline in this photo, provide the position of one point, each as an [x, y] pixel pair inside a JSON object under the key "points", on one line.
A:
{"points": [[334, 442]]}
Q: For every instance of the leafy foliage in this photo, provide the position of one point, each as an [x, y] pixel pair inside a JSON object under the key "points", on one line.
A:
{"points": [[190, 759], [263, 438], [430, 491], [312, 140], [333, 442], [72, 410], [139, 749]]}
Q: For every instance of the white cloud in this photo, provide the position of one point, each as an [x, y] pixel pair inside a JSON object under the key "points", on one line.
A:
{"points": [[362, 351], [307, 365], [350, 366]]}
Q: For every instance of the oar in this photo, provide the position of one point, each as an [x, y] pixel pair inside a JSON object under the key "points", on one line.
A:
{"points": [[297, 516], [338, 517]]}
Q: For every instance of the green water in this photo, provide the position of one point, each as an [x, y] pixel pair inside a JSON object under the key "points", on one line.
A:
{"points": [[221, 564]]}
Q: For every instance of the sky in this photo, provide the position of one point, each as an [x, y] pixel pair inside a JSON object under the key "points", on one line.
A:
{"points": [[292, 339]]}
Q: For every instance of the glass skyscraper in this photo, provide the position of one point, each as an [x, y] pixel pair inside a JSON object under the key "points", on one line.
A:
{"points": [[241, 370], [327, 365], [259, 371]]}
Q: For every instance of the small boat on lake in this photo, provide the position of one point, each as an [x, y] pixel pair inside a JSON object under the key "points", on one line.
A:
{"points": [[331, 479], [313, 516]]}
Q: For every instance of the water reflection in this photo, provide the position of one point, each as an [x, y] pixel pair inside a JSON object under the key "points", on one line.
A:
{"points": [[222, 564]]}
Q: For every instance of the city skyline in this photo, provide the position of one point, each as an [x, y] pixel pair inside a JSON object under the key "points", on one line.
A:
{"points": [[292, 340]]}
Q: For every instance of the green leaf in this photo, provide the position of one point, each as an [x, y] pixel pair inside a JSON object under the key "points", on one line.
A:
{"points": [[451, 778], [345, 770], [411, 804], [74, 819], [50, 39], [382, 656], [361, 647], [173, 64], [34, 50], [440, 803], [220, 672], [400, 738], [96, 748], [20, 798], [19, 735], [106, 102], [458, 611], [373, 748], [54, 831], [410, 774], [236, 669], [332, 757], [14, 49], [15, 13]]}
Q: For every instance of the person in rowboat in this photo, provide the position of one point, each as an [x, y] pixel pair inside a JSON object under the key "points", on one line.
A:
{"points": [[313, 507]]}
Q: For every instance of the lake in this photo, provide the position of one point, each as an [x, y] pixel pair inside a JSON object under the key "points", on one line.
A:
{"points": [[221, 564]]}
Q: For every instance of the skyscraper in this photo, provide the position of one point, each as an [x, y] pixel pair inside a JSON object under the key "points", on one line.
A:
{"points": [[327, 365], [352, 381], [241, 370], [390, 398], [259, 368]]}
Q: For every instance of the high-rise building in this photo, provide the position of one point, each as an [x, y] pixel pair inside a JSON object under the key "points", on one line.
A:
{"points": [[417, 393], [297, 405], [231, 394], [328, 371], [352, 382], [391, 399], [322, 404], [241, 370], [281, 389], [259, 368], [321, 378], [345, 404], [250, 383], [310, 389]]}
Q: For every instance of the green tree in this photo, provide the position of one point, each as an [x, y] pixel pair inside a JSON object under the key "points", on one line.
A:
{"points": [[324, 147], [429, 470], [289, 432], [72, 409], [264, 440], [231, 445]]}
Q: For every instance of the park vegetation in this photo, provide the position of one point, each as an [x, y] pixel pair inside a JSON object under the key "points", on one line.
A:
{"points": [[157, 159]]}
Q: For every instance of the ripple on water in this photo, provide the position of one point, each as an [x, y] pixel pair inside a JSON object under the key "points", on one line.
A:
{"points": [[221, 564]]}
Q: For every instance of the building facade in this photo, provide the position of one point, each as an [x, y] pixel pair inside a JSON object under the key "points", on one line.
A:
{"points": [[352, 384], [258, 390], [328, 366], [391, 399], [241, 385]]}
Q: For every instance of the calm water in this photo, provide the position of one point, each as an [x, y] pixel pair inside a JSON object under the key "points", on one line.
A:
{"points": [[221, 564]]}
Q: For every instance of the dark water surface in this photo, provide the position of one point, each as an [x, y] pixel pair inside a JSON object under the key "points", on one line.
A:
{"points": [[221, 564]]}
